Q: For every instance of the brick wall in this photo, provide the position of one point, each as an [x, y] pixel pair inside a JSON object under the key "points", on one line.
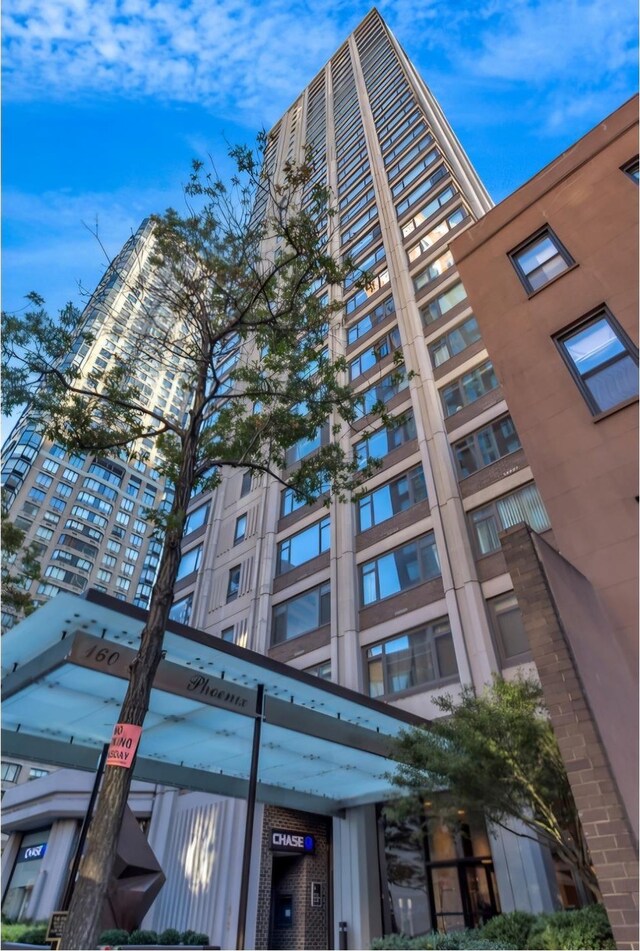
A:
{"points": [[611, 843], [310, 925]]}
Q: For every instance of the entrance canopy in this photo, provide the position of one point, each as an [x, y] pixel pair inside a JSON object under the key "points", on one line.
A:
{"points": [[65, 668]]}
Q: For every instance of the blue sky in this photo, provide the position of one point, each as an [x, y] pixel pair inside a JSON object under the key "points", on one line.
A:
{"points": [[107, 101]]}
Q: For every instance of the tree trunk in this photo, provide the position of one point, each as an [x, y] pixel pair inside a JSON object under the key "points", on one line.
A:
{"points": [[96, 866]]}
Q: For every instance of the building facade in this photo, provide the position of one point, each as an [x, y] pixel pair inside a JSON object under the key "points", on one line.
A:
{"points": [[402, 595], [559, 317], [85, 515]]}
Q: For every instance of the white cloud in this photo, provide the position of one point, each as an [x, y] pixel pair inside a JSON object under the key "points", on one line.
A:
{"points": [[59, 249], [557, 40], [241, 59], [225, 54]]}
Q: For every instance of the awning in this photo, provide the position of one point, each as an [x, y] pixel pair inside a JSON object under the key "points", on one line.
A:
{"points": [[323, 748]]}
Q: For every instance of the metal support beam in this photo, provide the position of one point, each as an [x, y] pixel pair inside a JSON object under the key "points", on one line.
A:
{"points": [[82, 838], [251, 809]]}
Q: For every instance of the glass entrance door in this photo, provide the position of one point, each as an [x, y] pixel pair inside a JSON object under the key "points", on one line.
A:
{"points": [[464, 894]]}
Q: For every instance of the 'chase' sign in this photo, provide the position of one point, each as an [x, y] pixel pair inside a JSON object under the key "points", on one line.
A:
{"points": [[283, 840], [31, 852]]}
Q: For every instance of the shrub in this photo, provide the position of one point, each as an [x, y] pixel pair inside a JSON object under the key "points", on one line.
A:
{"points": [[438, 941], [114, 936], [197, 937], [35, 934], [586, 928], [512, 929], [140, 936], [169, 936]]}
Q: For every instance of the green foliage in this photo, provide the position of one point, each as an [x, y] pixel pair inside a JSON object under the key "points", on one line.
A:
{"points": [[512, 929], [191, 937], [195, 937], [14, 931], [496, 752], [466, 940], [114, 937], [169, 936], [35, 934], [20, 566], [584, 928], [141, 936]]}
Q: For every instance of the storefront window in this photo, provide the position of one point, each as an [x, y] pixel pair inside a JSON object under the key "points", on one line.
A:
{"points": [[438, 875], [27, 867]]}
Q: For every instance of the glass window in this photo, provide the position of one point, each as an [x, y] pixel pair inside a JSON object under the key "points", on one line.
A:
{"points": [[382, 392], [301, 614], [511, 638], [240, 529], [367, 264], [397, 496], [246, 483], [421, 190], [468, 388], [425, 656], [399, 570], [384, 441], [524, 505], [36, 773], [107, 470], [305, 446], [603, 361], [233, 584], [540, 259], [100, 488], [371, 320], [485, 446], [368, 358], [631, 168], [454, 342], [409, 156], [433, 271], [413, 173], [303, 546], [322, 671], [433, 236], [196, 519], [443, 303], [10, 772], [189, 562], [94, 501]]}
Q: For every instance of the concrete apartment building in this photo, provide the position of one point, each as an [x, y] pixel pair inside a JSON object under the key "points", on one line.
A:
{"points": [[559, 316], [84, 514], [402, 596]]}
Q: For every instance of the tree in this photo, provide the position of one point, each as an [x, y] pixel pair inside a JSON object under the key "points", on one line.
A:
{"points": [[496, 753], [20, 566], [230, 287]]}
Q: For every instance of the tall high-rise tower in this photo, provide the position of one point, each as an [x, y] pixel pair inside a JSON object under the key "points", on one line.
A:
{"points": [[85, 514], [401, 594], [404, 593]]}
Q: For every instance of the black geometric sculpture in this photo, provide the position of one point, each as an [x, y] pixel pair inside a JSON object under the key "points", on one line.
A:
{"points": [[136, 880]]}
